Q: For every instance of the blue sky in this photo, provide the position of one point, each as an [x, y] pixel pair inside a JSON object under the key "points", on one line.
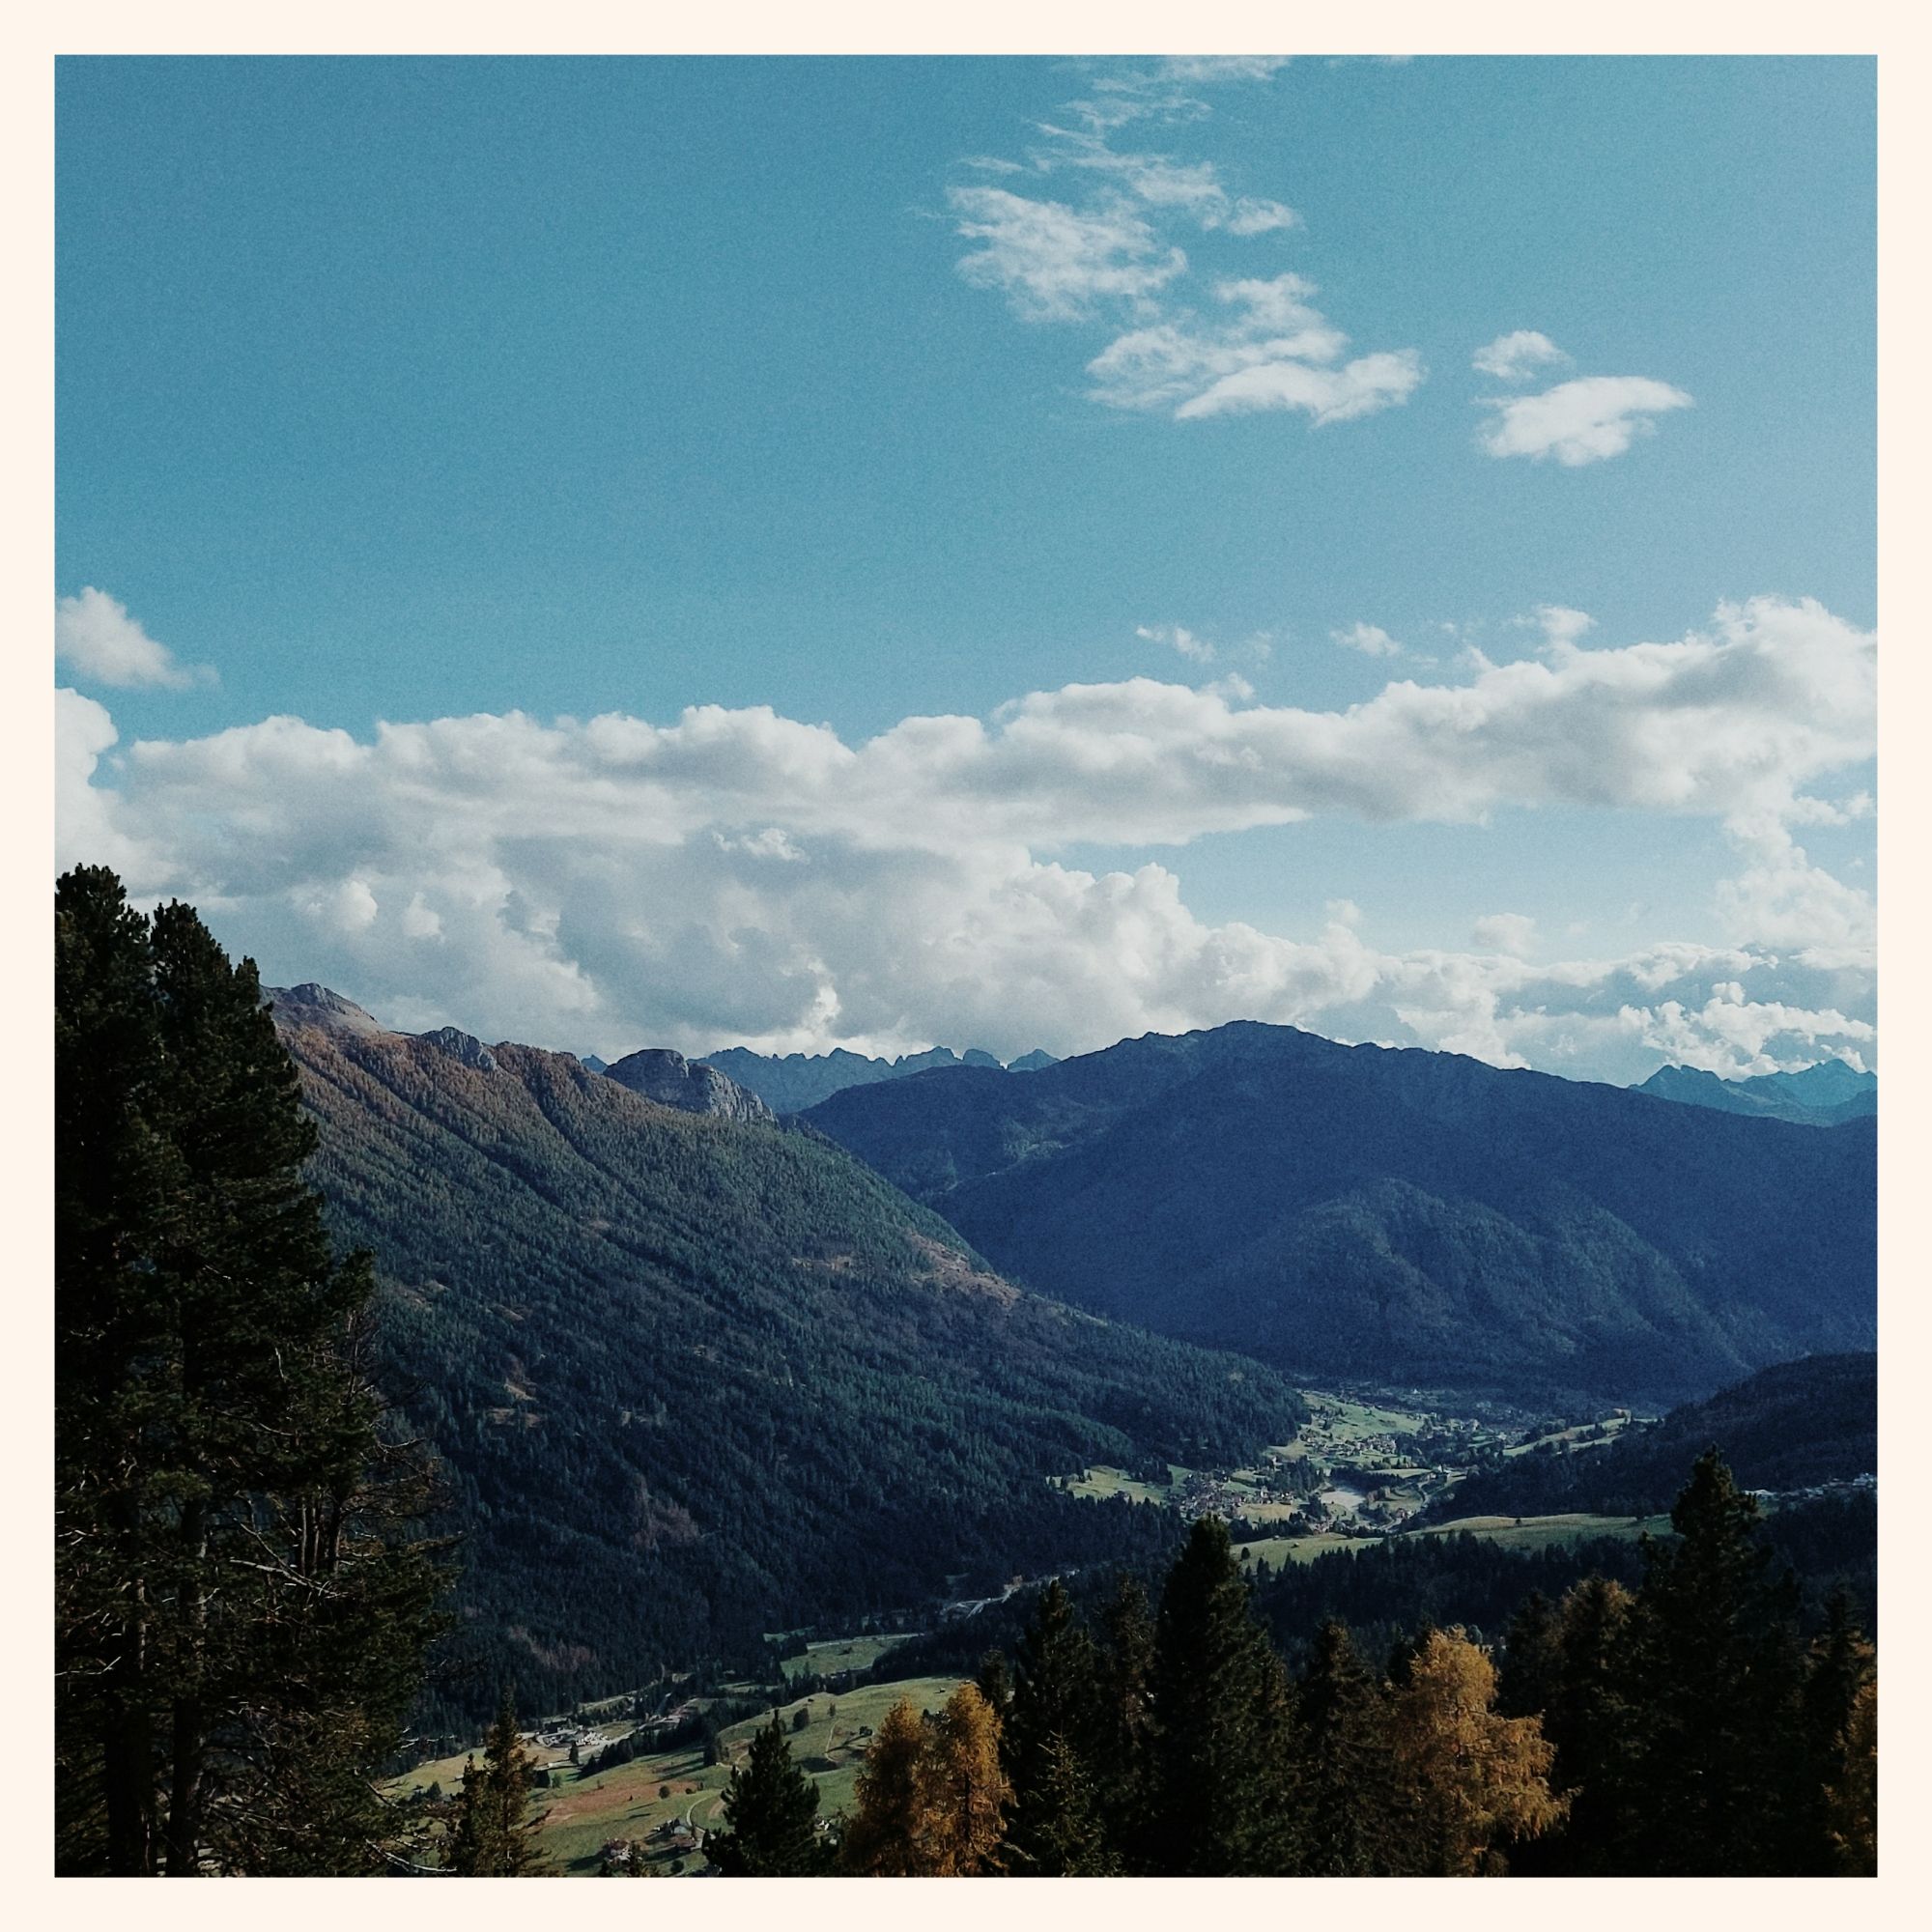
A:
{"points": [[400, 393]]}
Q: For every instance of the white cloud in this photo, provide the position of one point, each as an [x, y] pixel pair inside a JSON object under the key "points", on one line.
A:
{"points": [[100, 641], [1274, 352], [1054, 263], [736, 875], [1584, 421], [1510, 932], [1182, 640], [1561, 625], [1259, 216], [1371, 639], [1072, 261], [1358, 388], [1516, 356]]}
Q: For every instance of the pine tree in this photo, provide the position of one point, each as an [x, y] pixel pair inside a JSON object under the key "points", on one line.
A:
{"points": [[1123, 1673], [495, 1837], [1474, 1780], [1051, 1739], [1343, 1738], [1713, 1760], [242, 1598], [1219, 1741], [770, 1809]]}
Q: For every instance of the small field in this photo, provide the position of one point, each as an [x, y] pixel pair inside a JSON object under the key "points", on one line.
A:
{"points": [[1275, 1551], [846, 1652], [1539, 1532], [1103, 1483]]}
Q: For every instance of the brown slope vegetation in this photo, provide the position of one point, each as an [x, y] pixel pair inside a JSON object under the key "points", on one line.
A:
{"points": [[697, 1378]]}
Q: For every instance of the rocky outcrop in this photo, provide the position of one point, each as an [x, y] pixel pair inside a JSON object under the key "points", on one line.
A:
{"points": [[313, 1004], [463, 1046], [672, 1081]]}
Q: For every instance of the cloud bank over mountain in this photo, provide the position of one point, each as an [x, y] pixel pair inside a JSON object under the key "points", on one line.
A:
{"points": [[739, 875]]}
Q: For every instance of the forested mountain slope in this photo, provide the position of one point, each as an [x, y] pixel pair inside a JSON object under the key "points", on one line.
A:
{"points": [[1791, 1427], [697, 1379], [1395, 1215]]}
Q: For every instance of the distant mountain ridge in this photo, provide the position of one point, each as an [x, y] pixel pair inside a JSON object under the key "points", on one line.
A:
{"points": [[791, 1084], [1395, 1215], [1825, 1095]]}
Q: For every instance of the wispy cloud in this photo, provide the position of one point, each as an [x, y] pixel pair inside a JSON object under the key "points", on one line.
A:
{"points": [[1587, 420], [1274, 351], [1054, 263], [1107, 250], [100, 643]]}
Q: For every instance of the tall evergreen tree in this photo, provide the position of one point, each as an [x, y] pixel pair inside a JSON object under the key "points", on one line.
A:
{"points": [[242, 1600], [496, 1836], [1715, 1763], [1123, 1673], [1220, 1783], [1343, 1738], [1051, 1739], [771, 1812]]}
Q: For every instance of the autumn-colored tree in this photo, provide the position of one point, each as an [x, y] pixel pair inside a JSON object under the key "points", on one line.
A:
{"points": [[932, 1794], [883, 1837], [963, 1789], [1472, 1779], [1851, 1798]]}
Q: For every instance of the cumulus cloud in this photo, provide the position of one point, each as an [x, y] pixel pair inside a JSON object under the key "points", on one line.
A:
{"points": [[741, 875], [1517, 356], [97, 639], [1371, 639], [1587, 420]]}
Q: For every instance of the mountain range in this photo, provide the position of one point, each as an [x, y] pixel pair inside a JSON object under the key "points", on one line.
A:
{"points": [[1394, 1214], [697, 1378], [1825, 1095], [792, 1083]]}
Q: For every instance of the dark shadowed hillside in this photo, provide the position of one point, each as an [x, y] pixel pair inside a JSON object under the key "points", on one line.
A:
{"points": [[1790, 1427], [1395, 1216], [697, 1378], [792, 1082]]}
